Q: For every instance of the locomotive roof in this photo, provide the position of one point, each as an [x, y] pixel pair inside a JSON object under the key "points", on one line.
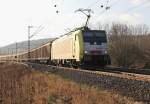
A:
{"points": [[76, 29]]}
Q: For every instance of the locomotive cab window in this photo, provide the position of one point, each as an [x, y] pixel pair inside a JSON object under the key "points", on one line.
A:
{"points": [[94, 37]]}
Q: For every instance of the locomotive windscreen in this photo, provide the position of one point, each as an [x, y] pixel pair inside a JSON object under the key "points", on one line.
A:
{"points": [[94, 37]]}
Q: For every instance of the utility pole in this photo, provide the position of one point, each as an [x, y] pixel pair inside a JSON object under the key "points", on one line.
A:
{"points": [[16, 57], [16, 48], [29, 27], [40, 28], [8, 51], [12, 51]]}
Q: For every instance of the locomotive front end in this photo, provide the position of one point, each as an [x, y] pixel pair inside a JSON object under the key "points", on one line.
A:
{"points": [[95, 48]]}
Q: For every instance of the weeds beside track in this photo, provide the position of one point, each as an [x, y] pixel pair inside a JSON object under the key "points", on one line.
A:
{"points": [[19, 84], [127, 85]]}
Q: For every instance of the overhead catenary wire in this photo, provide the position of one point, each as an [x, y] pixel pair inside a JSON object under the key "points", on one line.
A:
{"points": [[137, 6], [91, 5], [128, 10], [115, 3], [40, 28], [106, 8], [58, 5], [86, 12], [109, 7], [94, 3], [107, 3]]}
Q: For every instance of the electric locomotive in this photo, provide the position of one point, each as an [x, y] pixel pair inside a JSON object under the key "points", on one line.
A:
{"points": [[95, 47], [81, 47]]}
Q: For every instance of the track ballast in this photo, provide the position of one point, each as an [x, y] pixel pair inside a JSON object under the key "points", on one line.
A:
{"points": [[132, 85]]}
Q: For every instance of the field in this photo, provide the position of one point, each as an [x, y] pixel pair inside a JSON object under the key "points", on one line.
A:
{"points": [[19, 84]]}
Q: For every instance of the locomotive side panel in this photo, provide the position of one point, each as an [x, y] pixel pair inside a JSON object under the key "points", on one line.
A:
{"points": [[79, 47], [68, 47], [62, 48]]}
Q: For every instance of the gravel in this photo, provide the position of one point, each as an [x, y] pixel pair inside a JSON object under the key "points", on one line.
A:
{"points": [[139, 90]]}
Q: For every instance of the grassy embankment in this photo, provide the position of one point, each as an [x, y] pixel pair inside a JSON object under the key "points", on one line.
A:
{"points": [[19, 85]]}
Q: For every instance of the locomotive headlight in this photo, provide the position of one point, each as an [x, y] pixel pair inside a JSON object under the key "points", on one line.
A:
{"points": [[85, 52], [105, 52]]}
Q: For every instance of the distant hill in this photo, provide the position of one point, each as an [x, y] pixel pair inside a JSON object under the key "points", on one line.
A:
{"points": [[23, 46]]}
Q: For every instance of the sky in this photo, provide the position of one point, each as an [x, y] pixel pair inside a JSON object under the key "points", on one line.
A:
{"points": [[17, 15]]}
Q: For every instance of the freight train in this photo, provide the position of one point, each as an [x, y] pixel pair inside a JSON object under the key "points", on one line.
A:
{"points": [[76, 48]]}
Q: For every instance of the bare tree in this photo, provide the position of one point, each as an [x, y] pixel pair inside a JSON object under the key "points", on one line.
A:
{"points": [[128, 44]]}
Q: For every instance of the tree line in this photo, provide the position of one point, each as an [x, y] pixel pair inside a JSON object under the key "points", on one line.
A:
{"points": [[128, 45]]}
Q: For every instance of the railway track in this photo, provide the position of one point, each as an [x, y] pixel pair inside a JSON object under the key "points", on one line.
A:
{"points": [[119, 70], [133, 74], [110, 69], [132, 85]]}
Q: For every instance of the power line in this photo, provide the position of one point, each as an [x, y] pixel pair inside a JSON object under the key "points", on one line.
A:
{"points": [[107, 2], [115, 3], [93, 3], [106, 8], [109, 7], [128, 10], [40, 28], [137, 6]]}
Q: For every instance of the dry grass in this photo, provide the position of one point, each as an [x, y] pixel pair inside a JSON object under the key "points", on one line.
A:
{"points": [[19, 85]]}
